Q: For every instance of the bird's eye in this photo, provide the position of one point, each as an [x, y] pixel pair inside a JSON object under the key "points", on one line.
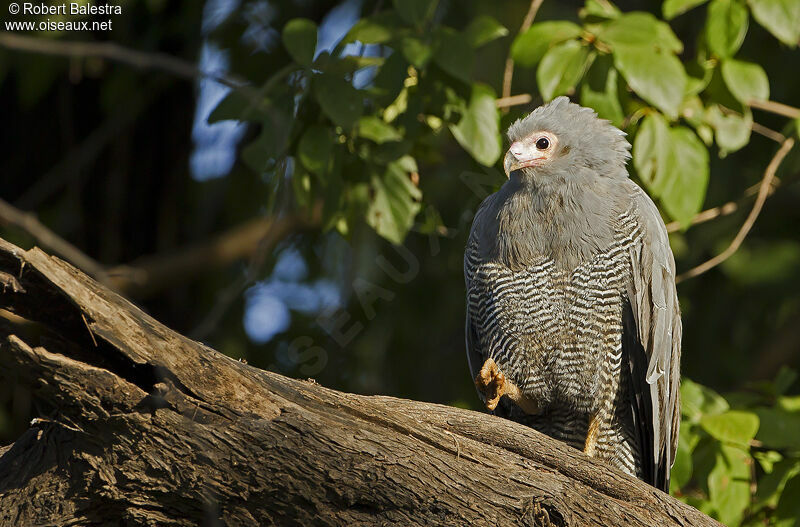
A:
{"points": [[542, 143]]}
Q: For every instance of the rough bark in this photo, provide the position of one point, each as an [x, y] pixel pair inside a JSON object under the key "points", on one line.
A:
{"points": [[146, 427]]}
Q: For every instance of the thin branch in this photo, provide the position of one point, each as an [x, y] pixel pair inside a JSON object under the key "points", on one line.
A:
{"points": [[508, 73], [28, 222], [776, 108], [725, 209], [115, 52], [763, 191], [514, 100]]}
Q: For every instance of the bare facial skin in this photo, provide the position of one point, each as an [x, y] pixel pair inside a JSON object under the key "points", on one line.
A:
{"points": [[531, 151]]}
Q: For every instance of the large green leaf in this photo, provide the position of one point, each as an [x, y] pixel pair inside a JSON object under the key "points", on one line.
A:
{"points": [[729, 484], [698, 400], [652, 153], [685, 188], [374, 129], [788, 509], [482, 30], [561, 68], [779, 17], [454, 54], [314, 149], [746, 80], [395, 203], [672, 8], [656, 76], [300, 39], [529, 47], [478, 131], [339, 99], [726, 27], [733, 426], [415, 12], [640, 29], [599, 91], [779, 428]]}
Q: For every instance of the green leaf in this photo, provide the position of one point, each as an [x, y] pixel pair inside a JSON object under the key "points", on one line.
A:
{"points": [[395, 203], [314, 149], [788, 508], [726, 27], [779, 428], [374, 129], [599, 91], [640, 29], [745, 80], [300, 40], [733, 426], [698, 400], [561, 69], [599, 9], [731, 131], [478, 131], [482, 30], [652, 153], [673, 8], [376, 29], [729, 484], [529, 47], [682, 469], [273, 138], [415, 12], [657, 77], [237, 107], [779, 17], [415, 51], [454, 54], [685, 188], [338, 99]]}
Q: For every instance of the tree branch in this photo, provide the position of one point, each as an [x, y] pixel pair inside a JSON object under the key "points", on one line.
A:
{"points": [[763, 191], [776, 108], [116, 53], [508, 72], [148, 427]]}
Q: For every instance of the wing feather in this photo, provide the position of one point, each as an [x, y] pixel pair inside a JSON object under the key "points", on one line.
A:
{"points": [[656, 315]]}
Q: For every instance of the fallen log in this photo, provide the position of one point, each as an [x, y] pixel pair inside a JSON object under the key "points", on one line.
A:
{"points": [[146, 427]]}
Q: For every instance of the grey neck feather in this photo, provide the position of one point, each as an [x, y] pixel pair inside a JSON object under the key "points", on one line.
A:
{"points": [[569, 219]]}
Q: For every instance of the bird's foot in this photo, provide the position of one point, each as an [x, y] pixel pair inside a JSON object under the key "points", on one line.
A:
{"points": [[493, 384]]}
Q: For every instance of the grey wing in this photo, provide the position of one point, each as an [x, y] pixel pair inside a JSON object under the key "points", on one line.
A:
{"points": [[652, 332], [472, 258]]}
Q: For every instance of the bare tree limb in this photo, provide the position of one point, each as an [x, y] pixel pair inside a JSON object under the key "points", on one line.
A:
{"points": [[117, 53], [508, 72], [763, 191], [776, 108], [150, 428], [29, 223]]}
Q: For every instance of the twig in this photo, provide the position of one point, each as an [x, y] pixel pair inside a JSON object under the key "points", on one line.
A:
{"points": [[763, 191], [117, 53], [769, 133], [48, 239], [508, 73], [514, 100], [725, 209], [775, 107]]}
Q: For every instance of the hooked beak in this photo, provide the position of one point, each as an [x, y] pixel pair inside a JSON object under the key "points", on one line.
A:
{"points": [[516, 158]]}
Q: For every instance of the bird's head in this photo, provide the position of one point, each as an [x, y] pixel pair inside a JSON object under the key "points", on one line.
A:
{"points": [[559, 137]]}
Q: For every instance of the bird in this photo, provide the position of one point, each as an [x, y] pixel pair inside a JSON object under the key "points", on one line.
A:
{"points": [[573, 325]]}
